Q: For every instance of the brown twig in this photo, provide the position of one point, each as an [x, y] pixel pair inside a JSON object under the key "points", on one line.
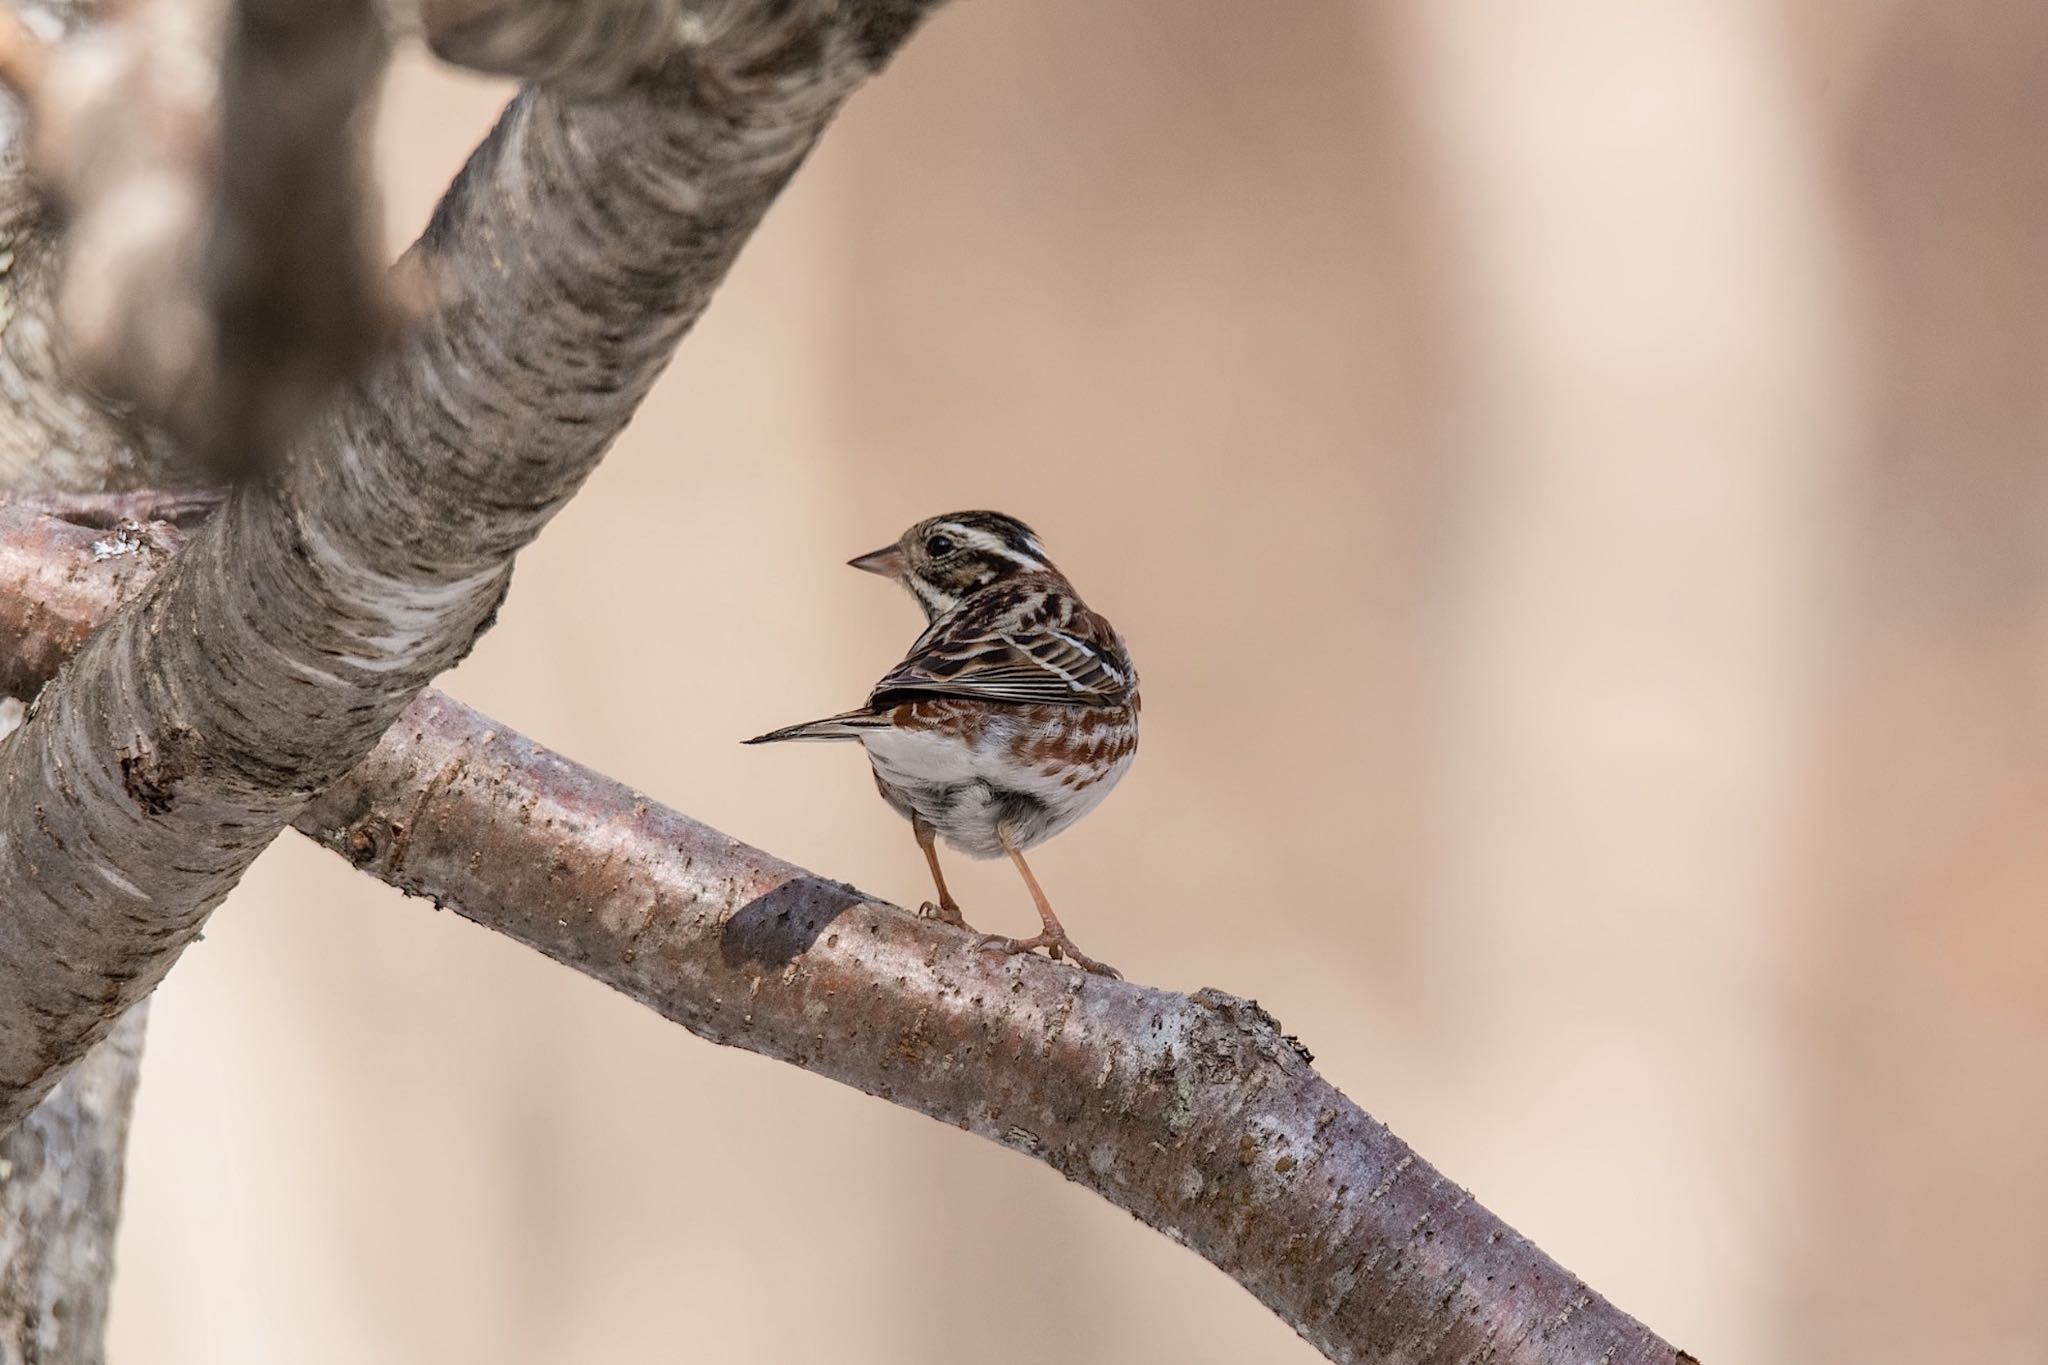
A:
{"points": [[1194, 1113], [64, 575]]}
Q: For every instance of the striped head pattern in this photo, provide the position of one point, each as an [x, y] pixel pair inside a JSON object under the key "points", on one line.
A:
{"points": [[944, 560]]}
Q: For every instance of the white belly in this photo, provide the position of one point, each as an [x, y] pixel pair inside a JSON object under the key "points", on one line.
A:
{"points": [[974, 794]]}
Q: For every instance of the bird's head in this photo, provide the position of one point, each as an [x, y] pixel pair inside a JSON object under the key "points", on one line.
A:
{"points": [[943, 560]]}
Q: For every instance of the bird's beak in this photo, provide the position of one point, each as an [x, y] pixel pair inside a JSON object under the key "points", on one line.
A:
{"points": [[887, 561]]}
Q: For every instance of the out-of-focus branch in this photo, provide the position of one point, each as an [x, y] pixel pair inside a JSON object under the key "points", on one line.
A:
{"points": [[1194, 1113], [593, 47], [295, 289], [124, 138], [60, 1200], [576, 248], [55, 433], [597, 46], [220, 265]]}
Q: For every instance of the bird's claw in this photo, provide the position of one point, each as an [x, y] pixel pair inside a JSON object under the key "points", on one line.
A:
{"points": [[943, 913], [1055, 946]]}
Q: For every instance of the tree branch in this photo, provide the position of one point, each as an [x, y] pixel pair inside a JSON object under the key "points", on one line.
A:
{"points": [[591, 48], [296, 297], [57, 435], [61, 1169], [220, 263], [598, 46], [60, 1192], [579, 244], [54, 602], [60, 1200], [1196, 1114]]}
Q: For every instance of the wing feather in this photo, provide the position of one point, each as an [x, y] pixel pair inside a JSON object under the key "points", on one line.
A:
{"points": [[1027, 640]]}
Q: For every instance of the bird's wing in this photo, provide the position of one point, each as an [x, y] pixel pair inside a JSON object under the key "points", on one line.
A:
{"points": [[1024, 641]]}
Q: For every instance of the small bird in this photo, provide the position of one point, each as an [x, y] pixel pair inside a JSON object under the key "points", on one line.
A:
{"points": [[1010, 718]]}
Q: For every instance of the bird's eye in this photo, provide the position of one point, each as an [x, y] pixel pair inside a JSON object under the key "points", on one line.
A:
{"points": [[938, 547]]}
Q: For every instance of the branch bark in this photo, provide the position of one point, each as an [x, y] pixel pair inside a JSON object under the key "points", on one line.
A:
{"points": [[576, 248], [61, 1170], [1194, 1113], [60, 1200], [60, 1193]]}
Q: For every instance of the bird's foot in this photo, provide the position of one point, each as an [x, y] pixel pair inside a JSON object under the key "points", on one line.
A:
{"points": [[945, 912], [1055, 945]]}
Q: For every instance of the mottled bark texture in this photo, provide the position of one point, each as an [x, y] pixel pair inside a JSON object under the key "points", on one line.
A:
{"points": [[61, 1168], [1194, 1113], [60, 1201], [60, 1171], [572, 253]]}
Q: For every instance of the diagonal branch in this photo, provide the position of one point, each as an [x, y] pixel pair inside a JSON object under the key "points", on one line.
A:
{"points": [[1194, 1113], [579, 244]]}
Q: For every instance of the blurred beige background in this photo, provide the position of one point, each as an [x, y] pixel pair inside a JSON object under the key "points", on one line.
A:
{"points": [[1572, 478]]}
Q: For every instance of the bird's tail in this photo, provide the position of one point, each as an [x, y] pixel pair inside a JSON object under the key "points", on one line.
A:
{"points": [[847, 725]]}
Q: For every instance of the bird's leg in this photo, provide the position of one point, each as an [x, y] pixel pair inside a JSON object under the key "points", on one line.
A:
{"points": [[948, 909], [1051, 936]]}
